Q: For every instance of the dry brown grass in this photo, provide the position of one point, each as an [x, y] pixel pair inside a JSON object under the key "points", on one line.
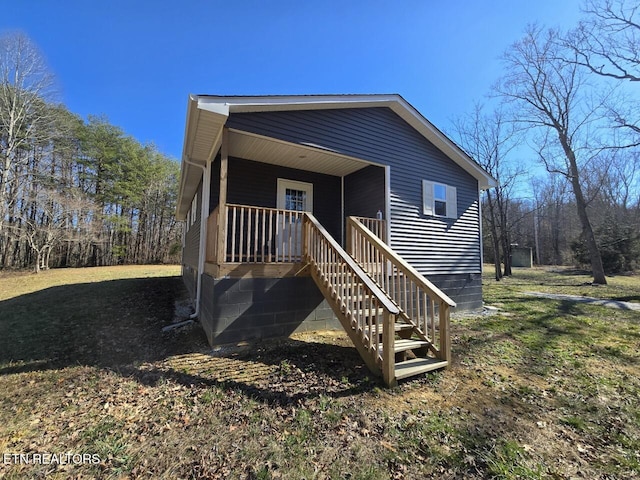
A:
{"points": [[544, 389]]}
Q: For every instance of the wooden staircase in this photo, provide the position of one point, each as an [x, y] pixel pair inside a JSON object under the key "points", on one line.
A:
{"points": [[397, 320]]}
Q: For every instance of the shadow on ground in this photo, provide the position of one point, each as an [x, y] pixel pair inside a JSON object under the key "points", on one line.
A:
{"points": [[278, 371], [117, 325], [104, 324]]}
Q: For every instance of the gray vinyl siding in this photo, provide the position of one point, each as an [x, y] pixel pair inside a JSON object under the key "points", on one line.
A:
{"points": [[214, 199], [364, 192], [192, 238], [378, 135], [432, 244], [256, 184]]}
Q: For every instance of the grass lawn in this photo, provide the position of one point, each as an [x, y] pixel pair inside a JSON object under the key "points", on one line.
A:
{"points": [[542, 389]]}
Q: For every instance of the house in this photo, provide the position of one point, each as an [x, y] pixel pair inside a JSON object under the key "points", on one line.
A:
{"points": [[321, 211]]}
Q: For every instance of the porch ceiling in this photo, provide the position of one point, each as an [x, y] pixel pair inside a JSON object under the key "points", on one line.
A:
{"points": [[203, 138], [301, 156]]}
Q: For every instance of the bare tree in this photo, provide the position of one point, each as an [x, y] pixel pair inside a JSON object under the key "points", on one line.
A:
{"points": [[47, 223], [489, 139], [607, 43], [552, 220], [548, 94], [24, 83]]}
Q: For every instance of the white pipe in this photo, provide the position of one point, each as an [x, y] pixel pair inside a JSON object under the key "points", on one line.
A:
{"points": [[387, 201], [342, 208], [184, 242], [204, 215], [173, 326], [480, 220]]}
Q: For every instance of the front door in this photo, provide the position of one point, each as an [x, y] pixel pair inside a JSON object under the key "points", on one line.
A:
{"points": [[297, 196]]}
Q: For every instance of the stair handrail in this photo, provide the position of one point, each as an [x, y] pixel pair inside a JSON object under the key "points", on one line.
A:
{"points": [[400, 262], [380, 295], [342, 292], [383, 254]]}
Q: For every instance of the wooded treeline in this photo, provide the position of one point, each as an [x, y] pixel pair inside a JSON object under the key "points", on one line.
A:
{"points": [[549, 225], [75, 192], [571, 98]]}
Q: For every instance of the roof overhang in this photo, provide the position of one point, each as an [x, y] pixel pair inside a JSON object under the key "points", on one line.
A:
{"points": [[202, 139], [207, 115]]}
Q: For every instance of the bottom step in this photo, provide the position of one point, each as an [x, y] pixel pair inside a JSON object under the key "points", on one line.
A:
{"points": [[416, 366]]}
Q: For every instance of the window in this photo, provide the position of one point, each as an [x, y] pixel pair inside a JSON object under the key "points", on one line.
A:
{"points": [[439, 200], [294, 195], [194, 209], [295, 199]]}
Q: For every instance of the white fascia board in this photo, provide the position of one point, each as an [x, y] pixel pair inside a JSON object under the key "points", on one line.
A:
{"points": [[301, 102], [189, 131], [218, 108], [195, 106]]}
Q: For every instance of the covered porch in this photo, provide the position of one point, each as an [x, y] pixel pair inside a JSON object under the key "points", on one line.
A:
{"points": [[261, 187], [294, 235]]}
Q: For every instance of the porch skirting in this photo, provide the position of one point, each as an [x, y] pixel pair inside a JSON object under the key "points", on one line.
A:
{"points": [[242, 309]]}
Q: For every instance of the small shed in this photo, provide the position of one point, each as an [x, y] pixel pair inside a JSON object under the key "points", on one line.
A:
{"points": [[521, 257]]}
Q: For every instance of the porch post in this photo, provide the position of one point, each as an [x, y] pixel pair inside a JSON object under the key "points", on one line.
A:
{"points": [[388, 349], [222, 204], [445, 338]]}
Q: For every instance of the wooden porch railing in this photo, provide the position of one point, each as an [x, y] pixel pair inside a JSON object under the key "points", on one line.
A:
{"points": [[256, 235], [357, 301], [421, 303], [377, 226], [263, 235]]}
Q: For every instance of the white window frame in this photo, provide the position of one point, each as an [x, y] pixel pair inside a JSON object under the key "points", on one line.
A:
{"points": [[284, 183], [194, 208], [429, 199]]}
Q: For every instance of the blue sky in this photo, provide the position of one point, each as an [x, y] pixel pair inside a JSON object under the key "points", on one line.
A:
{"points": [[136, 61]]}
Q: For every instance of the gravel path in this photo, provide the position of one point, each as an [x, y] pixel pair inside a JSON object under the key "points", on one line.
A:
{"points": [[595, 301]]}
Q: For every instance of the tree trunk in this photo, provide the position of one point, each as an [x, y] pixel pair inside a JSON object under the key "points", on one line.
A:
{"points": [[505, 237], [45, 260], [494, 238], [506, 251], [587, 231], [38, 255]]}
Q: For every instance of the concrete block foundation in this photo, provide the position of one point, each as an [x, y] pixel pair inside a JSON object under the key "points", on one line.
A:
{"points": [[242, 309]]}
